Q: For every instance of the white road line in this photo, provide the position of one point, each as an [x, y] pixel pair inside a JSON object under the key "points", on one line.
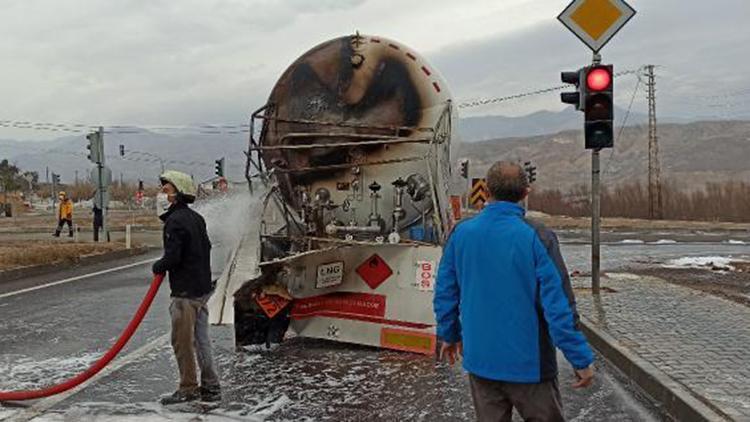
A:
{"points": [[80, 277], [45, 404]]}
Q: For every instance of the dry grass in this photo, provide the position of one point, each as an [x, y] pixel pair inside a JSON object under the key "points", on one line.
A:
{"points": [[117, 220], [712, 202], [27, 253], [565, 222]]}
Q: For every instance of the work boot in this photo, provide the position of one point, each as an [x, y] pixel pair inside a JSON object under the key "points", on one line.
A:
{"points": [[56, 233], [211, 394], [70, 234], [179, 397]]}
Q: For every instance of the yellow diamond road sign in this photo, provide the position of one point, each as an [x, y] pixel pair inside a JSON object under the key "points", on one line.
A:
{"points": [[595, 22]]}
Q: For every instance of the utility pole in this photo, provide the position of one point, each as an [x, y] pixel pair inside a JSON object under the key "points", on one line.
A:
{"points": [[102, 176], [53, 187], [76, 177], [654, 169], [103, 185]]}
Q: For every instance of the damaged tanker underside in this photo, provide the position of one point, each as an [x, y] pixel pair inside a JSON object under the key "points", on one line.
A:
{"points": [[353, 151]]}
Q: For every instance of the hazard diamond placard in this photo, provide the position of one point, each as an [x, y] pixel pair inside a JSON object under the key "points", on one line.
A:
{"points": [[595, 22], [374, 271]]}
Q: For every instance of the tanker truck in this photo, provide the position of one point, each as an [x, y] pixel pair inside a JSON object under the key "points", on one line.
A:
{"points": [[351, 159]]}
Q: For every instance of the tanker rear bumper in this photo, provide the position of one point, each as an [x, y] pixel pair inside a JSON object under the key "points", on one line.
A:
{"points": [[377, 295]]}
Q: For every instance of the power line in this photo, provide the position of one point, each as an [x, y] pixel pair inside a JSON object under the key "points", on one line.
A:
{"points": [[622, 125], [486, 101], [229, 128]]}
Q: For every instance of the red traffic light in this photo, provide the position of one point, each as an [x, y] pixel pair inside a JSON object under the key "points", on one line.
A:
{"points": [[598, 79]]}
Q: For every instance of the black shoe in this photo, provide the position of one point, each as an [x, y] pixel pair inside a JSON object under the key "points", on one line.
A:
{"points": [[56, 234], [212, 394], [179, 397]]}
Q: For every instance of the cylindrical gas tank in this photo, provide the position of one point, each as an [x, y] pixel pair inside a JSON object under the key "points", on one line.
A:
{"points": [[350, 92]]}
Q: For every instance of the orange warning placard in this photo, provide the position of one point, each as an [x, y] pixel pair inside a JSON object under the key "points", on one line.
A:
{"points": [[271, 304], [408, 341]]}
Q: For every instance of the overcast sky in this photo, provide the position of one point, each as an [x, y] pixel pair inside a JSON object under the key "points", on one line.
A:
{"points": [[182, 62]]}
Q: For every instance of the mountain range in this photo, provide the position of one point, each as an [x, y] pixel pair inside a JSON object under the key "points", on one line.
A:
{"points": [[690, 155], [691, 152]]}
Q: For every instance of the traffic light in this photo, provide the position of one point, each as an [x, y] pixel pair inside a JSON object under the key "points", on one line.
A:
{"points": [[220, 167], [94, 147], [55, 179], [599, 107], [140, 185], [463, 168], [575, 98], [122, 150]]}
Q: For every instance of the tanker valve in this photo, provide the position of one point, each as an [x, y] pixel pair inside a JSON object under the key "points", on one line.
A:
{"points": [[375, 220], [398, 201], [374, 195]]}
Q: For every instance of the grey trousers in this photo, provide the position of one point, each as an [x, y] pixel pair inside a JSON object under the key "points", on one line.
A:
{"points": [[190, 342], [495, 400]]}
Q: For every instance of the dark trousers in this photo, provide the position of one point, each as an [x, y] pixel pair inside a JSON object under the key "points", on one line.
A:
{"points": [[98, 222], [60, 225], [495, 400]]}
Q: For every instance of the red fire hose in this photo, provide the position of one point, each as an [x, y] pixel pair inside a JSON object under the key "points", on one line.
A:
{"points": [[99, 364]]}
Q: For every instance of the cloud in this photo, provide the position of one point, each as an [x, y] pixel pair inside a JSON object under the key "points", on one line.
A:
{"points": [[178, 62], [697, 46]]}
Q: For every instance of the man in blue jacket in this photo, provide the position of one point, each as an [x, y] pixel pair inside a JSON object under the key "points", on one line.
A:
{"points": [[503, 300]]}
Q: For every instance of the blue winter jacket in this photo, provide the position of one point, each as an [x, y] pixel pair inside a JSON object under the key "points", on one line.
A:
{"points": [[503, 290]]}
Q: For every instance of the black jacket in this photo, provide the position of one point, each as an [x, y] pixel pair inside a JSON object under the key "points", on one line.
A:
{"points": [[187, 252]]}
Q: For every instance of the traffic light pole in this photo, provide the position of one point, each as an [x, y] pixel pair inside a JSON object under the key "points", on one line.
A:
{"points": [[595, 210], [101, 187], [52, 192], [595, 215]]}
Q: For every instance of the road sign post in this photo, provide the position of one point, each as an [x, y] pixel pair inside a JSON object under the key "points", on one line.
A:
{"points": [[595, 218], [594, 22]]}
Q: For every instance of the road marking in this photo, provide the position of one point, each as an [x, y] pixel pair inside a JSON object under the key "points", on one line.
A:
{"points": [[45, 404], [80, 277]]}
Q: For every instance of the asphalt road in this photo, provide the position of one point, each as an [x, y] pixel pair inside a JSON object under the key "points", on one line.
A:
{"points": [[52, 333]]}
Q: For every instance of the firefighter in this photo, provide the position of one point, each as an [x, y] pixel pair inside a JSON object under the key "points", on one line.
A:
{"points": [[187, 259], [64, 215]]}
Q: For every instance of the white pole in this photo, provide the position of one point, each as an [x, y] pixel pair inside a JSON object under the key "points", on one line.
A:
{"points": [[127, 236]]}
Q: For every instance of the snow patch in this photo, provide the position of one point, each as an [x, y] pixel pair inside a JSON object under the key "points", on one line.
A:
{"points": [[632, 242], [720, 263], [623, 276], [664, 242], [736, 242]]}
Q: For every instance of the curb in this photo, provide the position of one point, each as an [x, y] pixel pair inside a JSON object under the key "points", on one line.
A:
{"points": [[36, 270], [677, 401]]}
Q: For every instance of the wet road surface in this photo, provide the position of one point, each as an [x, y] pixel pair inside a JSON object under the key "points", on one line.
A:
{"points": [[50, 334]]}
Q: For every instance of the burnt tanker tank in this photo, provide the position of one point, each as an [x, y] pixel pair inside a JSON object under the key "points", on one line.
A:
{"points": [[351, 154]]}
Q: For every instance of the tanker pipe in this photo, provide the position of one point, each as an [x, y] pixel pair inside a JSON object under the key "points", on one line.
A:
{"points": [[332, 229]]}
